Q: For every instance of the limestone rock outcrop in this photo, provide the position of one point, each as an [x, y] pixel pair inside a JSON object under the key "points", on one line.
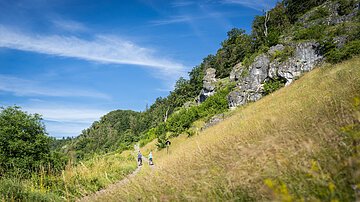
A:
{"points": [[305, 58], [267, 67], [209, 84], [236, 72]]}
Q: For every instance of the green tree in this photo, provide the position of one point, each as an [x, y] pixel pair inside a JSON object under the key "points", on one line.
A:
{"points": [[196, 79], [182, 93], [267, 29], [233, 50], [24, 146]]}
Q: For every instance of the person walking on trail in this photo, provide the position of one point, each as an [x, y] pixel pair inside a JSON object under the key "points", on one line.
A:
{"points": [[139, 159], [151, 158]]}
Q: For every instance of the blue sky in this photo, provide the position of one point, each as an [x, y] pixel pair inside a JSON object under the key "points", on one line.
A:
{"points": [[75, 60]]}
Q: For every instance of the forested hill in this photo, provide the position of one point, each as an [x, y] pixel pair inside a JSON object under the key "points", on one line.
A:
{"points": [[289, 39]]}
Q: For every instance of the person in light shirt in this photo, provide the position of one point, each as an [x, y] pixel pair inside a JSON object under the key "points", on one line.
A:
{"points": [[151, 158]]}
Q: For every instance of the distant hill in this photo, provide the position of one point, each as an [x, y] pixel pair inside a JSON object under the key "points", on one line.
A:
{"points": [[114, 131]]}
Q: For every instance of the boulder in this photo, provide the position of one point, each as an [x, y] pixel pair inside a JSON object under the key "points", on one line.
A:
{"points": [[274, 49], [236, 98], [258, 71], [214, 120], [236, 72], [209, 84]]}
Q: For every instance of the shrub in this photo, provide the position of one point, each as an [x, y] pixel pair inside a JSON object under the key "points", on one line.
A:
{"points": [[295, 8], [348, 51], [319, 13], [345, 7], [147, 137], [24, 146], [273, 84], [314, 32], [182, 120], [14, 190]]}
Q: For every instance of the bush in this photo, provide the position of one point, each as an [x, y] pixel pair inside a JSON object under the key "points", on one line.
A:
{"points": [[14, 190], [319, 13], [273, 85], [345, 7], [24, 146], [314, 32], [180, 121], [348, 51], [147, 137]]}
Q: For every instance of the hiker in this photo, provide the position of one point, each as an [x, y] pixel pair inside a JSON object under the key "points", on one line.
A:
{"points": [[151, 159], [139, 159]]}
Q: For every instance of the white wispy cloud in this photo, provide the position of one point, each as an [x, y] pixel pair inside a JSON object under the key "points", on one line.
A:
{"points": [[186, 18], [25, 87], [172, 20], [259, 5], [182, 3], [69, 25], [102, 49]]}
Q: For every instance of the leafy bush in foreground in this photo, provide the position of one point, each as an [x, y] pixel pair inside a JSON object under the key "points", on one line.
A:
{"points": [[24, 146]]}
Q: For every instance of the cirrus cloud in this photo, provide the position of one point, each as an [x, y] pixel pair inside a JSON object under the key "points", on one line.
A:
{"points": [[101, 48]]}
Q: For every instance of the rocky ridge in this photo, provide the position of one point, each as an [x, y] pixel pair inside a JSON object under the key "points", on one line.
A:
{"points": [[284, 63], [267, 67]]}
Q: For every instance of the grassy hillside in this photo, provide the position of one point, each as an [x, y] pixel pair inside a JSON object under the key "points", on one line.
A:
{"points": [[332, 24], [297, 143]]}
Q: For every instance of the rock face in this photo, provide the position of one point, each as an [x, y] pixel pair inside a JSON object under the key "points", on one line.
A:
{"points": [[305, 58], [274, 49], [236, 72], [209, 83], [214, 120], [265, 67]]}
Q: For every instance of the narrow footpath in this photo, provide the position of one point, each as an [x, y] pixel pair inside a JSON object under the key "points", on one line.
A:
{"points": [[120, 183]]}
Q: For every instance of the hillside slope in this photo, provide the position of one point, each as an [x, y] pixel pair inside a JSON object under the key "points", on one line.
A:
{"points": [[288, 40], [299, 142]]}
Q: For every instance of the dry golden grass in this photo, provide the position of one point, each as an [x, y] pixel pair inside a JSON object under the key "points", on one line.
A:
{"points": [[286, 137]]}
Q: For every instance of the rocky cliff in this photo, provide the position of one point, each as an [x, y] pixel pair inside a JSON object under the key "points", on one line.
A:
{"points": [[295, 55], [269, 66]]}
